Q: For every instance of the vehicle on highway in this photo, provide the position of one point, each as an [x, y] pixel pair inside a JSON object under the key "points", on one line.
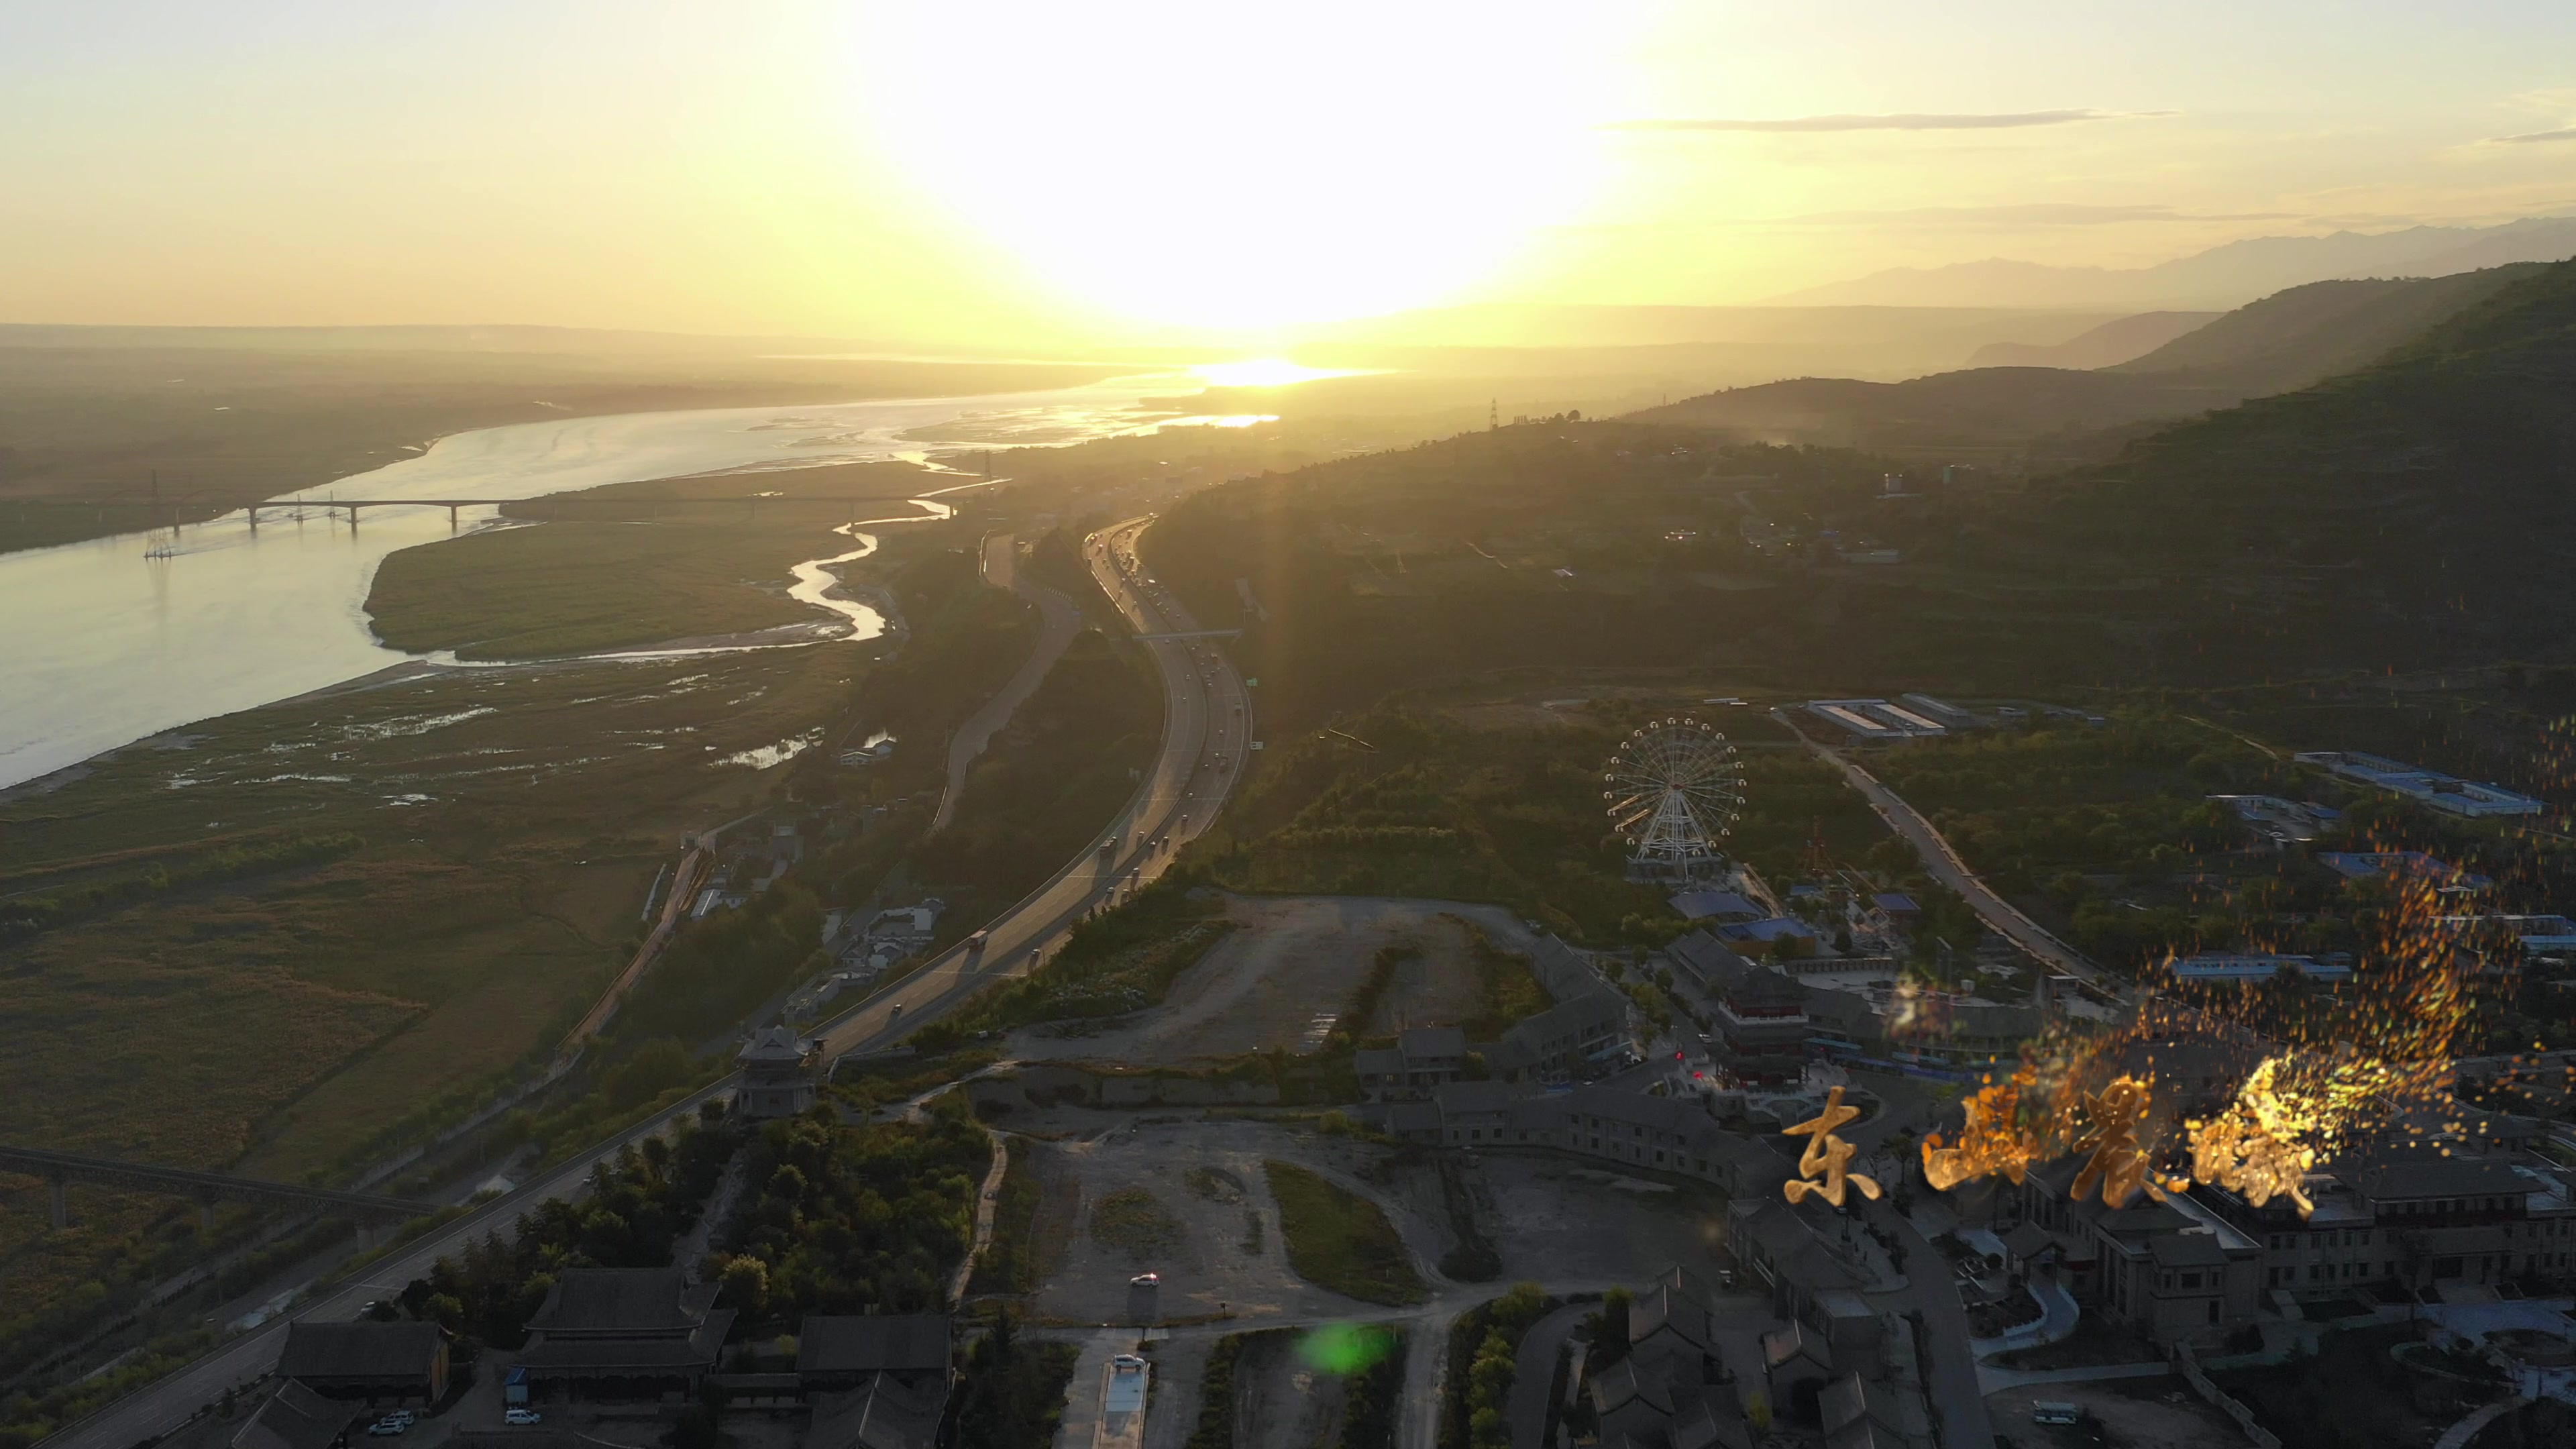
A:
{"points": [[975, 943], [894, 1013], [1146, 1280], [523, 1417]]}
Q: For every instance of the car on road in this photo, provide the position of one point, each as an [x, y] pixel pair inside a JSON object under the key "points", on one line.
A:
{"points": [[894, 1013], [1146, 1280], [523, 1417], [386, 1428]]}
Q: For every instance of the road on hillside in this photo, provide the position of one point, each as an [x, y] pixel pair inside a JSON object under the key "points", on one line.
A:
{"points": [[1946, 867], [1206, 712], [1059, 621]]}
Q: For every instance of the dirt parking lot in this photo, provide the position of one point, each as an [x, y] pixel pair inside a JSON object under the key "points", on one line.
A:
{"points": [[1282, 982], [1222, 1254]]}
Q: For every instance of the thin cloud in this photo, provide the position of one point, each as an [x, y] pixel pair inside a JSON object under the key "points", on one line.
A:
{"points": [[2563, 133], [1998, 121], [2031, 214]]}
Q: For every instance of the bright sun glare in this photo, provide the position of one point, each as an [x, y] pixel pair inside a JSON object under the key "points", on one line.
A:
{"points": [[1262, 372], [1240, 166]]}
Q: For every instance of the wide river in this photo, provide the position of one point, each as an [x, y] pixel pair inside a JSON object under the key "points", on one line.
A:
{"points": [[101, 645]]}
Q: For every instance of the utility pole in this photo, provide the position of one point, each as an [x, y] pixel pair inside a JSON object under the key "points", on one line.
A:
{"points": [[1493, 414]]}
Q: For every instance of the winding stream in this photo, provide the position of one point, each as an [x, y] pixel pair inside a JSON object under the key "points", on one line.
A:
{"points": [[101, 646]]}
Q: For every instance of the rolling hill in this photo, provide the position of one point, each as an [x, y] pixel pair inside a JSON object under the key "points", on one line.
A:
{"points": [[2054, 415], [2415, 511], [2108, 345]]}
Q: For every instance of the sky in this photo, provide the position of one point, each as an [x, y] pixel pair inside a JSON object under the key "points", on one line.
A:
{"points": [[968, 171]]}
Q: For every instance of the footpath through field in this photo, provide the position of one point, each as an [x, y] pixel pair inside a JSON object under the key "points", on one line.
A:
{"points": [[1060, 621]]}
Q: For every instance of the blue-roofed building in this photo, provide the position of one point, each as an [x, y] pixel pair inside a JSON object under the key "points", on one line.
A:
{"points": [[1719, 905], [2539, 935], [1896, 904], [2447, 793], [1767, 930], [2364, 864], [2250, 966]]}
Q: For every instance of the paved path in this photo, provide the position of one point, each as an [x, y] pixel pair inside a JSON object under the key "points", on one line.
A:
{"points": [[1426, 1366], [1996, 1380], [987, 1198], [1946, 867], [1956, 1394], [2458, 1435], [1534, 1373], [1059, 622], [1081, 1421]]}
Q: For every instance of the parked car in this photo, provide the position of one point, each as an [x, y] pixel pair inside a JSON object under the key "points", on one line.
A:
{"points": [[387, 1427], [523, 1416]]}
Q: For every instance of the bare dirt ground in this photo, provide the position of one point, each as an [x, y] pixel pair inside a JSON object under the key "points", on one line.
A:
{"points": [[1227, 1257], [1279, 983], [2135, 1413], [1553, 1220]]}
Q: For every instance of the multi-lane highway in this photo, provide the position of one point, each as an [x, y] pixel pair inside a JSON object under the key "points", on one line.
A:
{"points": [[1205, 714], [1206, 711]]}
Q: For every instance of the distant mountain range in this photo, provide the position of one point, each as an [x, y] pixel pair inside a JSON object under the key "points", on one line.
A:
{"points": [[2108, 345], [2222, 277], [2283, 343]]}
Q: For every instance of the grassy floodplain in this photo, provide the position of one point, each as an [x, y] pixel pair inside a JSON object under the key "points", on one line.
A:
{"points": [[311, 929]]}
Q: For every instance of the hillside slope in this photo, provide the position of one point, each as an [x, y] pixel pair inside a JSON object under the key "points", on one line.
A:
{"points": [[2418, 509], [2287, 341], [2308, 334], [2119, 340]]}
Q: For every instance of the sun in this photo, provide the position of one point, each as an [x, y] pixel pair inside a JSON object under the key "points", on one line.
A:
{"points": [[1236, 166]]}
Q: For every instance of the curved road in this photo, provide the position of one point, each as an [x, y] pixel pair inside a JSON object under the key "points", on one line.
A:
{"points": [[1205, 712], [1946, 867], [1203, 700]]}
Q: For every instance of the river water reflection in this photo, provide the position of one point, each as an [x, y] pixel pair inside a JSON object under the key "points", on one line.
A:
{"points": [[101, 646]]}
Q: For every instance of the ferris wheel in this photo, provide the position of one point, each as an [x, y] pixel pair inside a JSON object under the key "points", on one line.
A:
{"points": [[1671, 791]]}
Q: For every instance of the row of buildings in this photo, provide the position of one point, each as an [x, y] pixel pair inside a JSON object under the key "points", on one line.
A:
{"points": [[622, 1335], [1671, 1391], [2408, 1213], [1771, 1021]]}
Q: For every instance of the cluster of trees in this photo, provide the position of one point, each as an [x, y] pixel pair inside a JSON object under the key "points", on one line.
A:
{"points": [[1430, 808], [1482, 1345], [637, 1207], [1013, 1391], [845, 1218]]}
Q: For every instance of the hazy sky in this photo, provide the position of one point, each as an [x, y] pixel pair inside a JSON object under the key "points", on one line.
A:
{"points": [[954, 168]]}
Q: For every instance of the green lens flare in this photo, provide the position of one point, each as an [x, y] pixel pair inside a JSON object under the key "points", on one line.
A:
{"points": [[1345, 1348]]}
